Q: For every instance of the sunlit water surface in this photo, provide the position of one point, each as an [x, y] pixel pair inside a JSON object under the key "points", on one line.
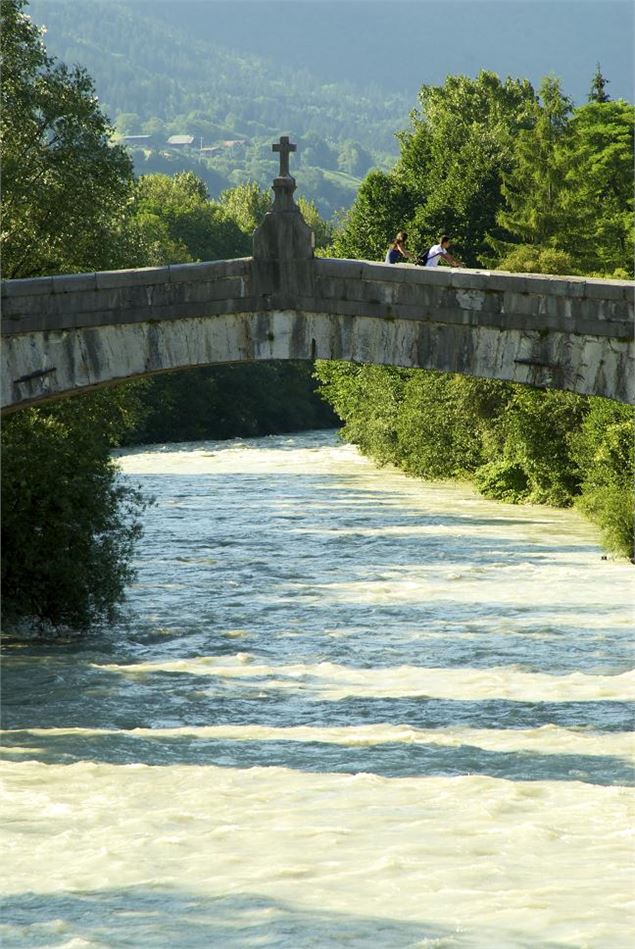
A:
{"points": [[345, 708]]}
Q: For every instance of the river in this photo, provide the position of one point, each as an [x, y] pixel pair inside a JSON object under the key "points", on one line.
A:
{"points": [[342, 708]]}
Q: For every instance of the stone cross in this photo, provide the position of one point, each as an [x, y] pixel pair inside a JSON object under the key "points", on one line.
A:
{"points": [[284, 146]]}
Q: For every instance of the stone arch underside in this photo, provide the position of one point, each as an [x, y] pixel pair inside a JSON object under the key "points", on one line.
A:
{"points": [[49, 364]]}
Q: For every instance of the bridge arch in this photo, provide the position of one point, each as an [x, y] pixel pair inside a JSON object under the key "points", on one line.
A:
{"points": [[69, 334]]}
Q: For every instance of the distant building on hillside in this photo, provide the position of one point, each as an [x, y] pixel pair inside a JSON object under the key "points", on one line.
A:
{"points": [[180, 141], [136, 139], [222, 146]]}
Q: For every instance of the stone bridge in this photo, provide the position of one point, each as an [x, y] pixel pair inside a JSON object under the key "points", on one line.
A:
{"points": [[69, 334]]}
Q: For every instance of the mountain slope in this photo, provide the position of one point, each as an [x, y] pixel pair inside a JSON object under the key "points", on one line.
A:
{"points": [[143, 64]]}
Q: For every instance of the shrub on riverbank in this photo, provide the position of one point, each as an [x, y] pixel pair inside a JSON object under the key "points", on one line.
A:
{"points": [[515, 443], [68, 522]]}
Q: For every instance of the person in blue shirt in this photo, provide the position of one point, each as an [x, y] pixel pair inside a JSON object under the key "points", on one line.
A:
{"points": [[397, 253]]}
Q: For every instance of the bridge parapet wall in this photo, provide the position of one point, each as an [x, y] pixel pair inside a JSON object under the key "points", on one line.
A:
{"points": [[345, 287]]}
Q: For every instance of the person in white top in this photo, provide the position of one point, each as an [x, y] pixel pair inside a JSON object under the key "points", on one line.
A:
{"points": [[439, 252]]}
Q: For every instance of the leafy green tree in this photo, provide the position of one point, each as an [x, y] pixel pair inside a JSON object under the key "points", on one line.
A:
{"points": [[382, 206], [456, 153], [449, 174], [128, 123], [178, 208], [154, 126], [315, 150], [535, 462], [69, 523], [65, 187], [447, 424], [246, 205], [322, 230], [603, 449], [353, 159], [367, 400]]}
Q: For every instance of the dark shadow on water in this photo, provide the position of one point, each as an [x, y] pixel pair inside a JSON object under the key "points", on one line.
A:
{"points": [[140, 917], [80, 694], [388, 760]]}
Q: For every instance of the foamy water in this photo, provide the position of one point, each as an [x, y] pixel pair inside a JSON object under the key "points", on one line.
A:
{"points": [[343, 708]]}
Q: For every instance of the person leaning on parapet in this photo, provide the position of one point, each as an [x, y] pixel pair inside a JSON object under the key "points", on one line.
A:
{"points": [[439, 252], [397, 253]]}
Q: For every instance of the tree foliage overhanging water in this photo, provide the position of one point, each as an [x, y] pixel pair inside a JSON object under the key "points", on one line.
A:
{"points": [[522, 181]]}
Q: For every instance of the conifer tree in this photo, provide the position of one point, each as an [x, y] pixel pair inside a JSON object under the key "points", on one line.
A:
{"points": [[533, 187], [597, 92]]}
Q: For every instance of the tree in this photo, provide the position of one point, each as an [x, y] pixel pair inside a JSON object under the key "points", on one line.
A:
{"points": [[597, 91], [353, 159], [128, 123], [596, 202], [382, 204], [604, 451], [322, 230], [315, 150], [69, 522], [177, 210], [448, 177], [454, 157], [66, 187], [532, 187], [246, 205]]}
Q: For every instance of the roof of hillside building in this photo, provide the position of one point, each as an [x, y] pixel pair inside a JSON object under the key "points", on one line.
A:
{"points": [[180, 139]]}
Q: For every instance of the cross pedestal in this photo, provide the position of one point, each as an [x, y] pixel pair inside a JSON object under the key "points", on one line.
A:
{"points": [[284, 234]]}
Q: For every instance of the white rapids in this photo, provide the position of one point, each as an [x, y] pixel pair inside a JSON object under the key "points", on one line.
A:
{"points": [[343, 708]]}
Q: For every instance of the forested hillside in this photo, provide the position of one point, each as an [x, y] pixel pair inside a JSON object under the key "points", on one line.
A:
{"points": [[155, 80]]}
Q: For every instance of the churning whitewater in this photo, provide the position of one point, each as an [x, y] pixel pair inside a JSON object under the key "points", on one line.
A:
{"points": [[342, 708]]}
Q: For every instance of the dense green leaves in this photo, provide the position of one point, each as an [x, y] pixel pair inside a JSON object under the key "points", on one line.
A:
{"points": [[460, 145], [449, 174], [516, 443], [570, 190], [603, 449], [383, 203], [179, 224], [597, 199], [65, 187], [533, 183], [68, 522]]}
